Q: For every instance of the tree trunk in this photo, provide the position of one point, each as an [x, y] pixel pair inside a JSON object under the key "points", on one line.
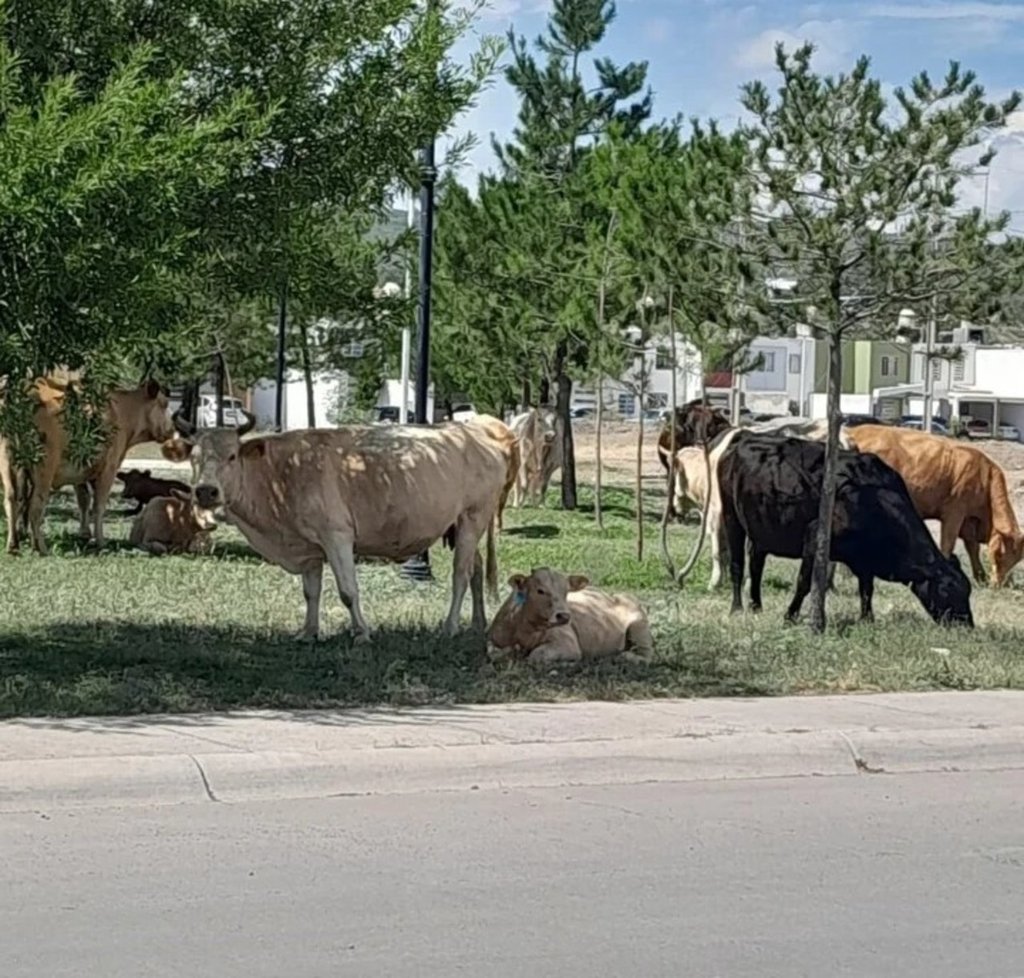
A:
{"points": [[640, 483], [307, 373], [598, 514], [527, 392], [545, 391], [219, 368], [823, 537], [190, 401], [562, 414]]}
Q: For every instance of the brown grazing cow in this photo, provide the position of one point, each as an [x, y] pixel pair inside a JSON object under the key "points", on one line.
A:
{"points": [[132, 417], [956, 484], [331, 494], [553, 618], [142, 487], [172, 524]]}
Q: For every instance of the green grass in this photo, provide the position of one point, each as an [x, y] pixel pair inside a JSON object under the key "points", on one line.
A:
{"points": [[121, 632]]}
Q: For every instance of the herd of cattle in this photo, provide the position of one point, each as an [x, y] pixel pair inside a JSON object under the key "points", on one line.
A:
{"points": [[305, 498]]}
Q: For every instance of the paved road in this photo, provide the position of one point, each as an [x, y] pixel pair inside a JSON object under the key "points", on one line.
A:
{"points": [[920, 876]]}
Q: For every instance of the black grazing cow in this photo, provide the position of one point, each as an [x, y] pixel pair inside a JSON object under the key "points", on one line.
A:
{"points": [[770, 489], [142, 487]]}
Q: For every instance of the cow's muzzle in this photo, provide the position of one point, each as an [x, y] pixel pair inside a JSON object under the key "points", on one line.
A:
{"points": [[560, 618], [208, 497]]}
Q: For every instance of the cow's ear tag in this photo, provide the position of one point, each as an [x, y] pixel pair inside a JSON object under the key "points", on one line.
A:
{"points": [[520, 599]]}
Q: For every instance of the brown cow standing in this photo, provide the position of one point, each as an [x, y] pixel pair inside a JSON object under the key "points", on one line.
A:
{"points": [[959, 485], [172, 524], [305, 497], [554, 618], [132, 417]]}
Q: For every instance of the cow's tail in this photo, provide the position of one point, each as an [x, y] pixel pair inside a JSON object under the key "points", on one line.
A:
{"points": [[685, 572], [491, 573]]}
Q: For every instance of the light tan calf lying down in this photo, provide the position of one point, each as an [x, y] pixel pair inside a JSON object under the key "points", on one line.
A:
{"points": [[172, 525], [549, 617]]}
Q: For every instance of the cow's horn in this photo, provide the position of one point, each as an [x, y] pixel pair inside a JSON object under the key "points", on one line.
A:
{"points": [[250, 423], [184, 428]]}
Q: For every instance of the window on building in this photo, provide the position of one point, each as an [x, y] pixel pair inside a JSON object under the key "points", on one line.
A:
{"points": [[352, 351], [663, 359], [895, 366], [794, 363], [958, 369], [936, 369], [767, 363], [885, 366], [627, 404]]}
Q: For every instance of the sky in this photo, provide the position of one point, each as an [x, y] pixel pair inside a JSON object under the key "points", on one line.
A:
{"points": [[700, 53]]}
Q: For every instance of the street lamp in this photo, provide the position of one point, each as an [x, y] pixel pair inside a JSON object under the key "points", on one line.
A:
{"points": [[418, 568]]}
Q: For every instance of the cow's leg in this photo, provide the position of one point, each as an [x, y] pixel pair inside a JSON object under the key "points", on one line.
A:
{"points": [[341, 556], [468, 531], [476, 590], [736, 538], [866, 584], [562, 646], [950, 532], [757, 559], [82, 498], [36, 508], [101, 487], [11, 510], [803, 588], [973, 548], [312, 586], [639, 640]]}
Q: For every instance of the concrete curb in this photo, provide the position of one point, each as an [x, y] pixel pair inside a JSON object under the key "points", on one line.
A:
{"points": [[263, 775]]}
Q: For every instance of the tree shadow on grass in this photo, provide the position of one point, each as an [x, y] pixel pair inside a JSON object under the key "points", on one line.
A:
{"points": [[533, 531], [112, 668]]}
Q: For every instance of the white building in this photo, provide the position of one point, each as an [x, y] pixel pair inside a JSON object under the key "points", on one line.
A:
{"points": [[330, 394], [784, 380], [622, 395]]}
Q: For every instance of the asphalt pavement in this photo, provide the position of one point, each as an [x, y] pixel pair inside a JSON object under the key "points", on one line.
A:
{"points": [[916, 876]]}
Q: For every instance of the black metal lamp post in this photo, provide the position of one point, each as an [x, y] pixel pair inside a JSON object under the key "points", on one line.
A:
{"points": [[418, 568]]}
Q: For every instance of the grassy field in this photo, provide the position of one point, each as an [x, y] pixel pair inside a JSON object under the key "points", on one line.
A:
{"points": [[123, 632]]}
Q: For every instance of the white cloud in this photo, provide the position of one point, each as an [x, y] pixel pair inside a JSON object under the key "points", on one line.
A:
{"points": [[947, 11], [657, 30], [503, 9], [832, 40]]}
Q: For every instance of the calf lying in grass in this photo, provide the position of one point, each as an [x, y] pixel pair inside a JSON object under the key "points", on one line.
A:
{"points": [[172, 525], [549, 617], [143, 486]]}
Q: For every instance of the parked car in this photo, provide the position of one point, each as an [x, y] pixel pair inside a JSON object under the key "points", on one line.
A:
{"points": [[1009, 432], [389, 414], [915, 421], [979, 428], [463, 412], [581, 412], [206, 415]]}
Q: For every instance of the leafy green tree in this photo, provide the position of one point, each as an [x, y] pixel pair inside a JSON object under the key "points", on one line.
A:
{"points": [[561, 116], [99, 209], [850, 191]]}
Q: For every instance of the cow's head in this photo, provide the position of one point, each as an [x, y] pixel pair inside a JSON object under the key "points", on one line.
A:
{"points": [[542, 597], [132, 477], [1005, 552], [946, 595], [202, 519], [695, 424], [153, 418], [214, 454]]}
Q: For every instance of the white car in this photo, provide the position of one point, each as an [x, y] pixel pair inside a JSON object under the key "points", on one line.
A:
{"points": [[234, 415], [1008, 432], [463, 412]]}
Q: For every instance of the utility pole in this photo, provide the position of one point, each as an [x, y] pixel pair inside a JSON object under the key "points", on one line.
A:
{"points": [[403, 416], [418, 568], [929, 379], [282, 330]]}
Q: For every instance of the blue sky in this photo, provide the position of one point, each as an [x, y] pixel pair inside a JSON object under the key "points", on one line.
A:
{"points": [[701, 51]]}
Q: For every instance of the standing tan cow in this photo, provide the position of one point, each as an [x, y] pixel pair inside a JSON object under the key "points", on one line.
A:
{"points": [[305, 497], [959, 485], [540, 453], [132, 417], [172, 524], [554, 618]]}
